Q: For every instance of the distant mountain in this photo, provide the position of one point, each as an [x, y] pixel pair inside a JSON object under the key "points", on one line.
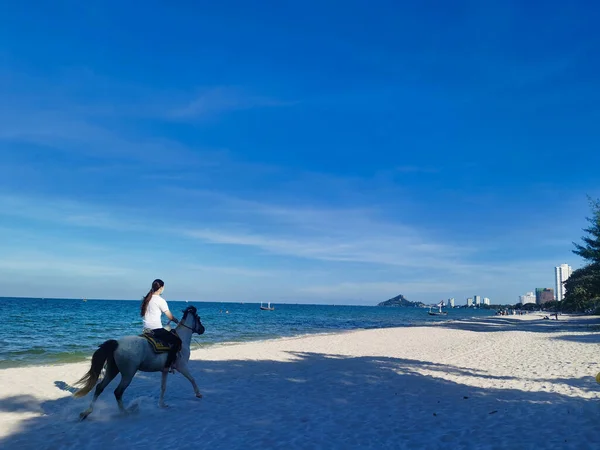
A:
{"points": [[399, 300]]}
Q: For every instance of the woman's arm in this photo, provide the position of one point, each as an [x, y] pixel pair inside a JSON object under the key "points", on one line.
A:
{"points": [[165, 309], [171, 316]]}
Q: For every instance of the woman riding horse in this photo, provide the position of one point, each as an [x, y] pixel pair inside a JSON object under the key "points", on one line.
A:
{"points": [[132, 353], [152, 307]]}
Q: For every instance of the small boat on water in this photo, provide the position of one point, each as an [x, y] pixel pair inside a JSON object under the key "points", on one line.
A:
{"points": [[267, 308], [440, 305]]}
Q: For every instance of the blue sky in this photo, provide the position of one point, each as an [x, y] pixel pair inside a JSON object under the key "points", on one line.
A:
{"points": [[312, 152]]}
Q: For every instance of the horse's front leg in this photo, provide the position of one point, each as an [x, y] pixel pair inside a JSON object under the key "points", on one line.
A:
{"points": [[186, 373], [163, 388]]}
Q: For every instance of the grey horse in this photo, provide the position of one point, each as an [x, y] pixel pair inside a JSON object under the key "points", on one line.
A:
{"points": [[133, 353]]}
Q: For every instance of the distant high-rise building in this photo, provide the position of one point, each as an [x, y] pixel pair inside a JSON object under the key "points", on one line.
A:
{"points": [[561, 274], [469, 302], [527, 298], [477, 300], [451, 302], [486, 301], [544, 295]]}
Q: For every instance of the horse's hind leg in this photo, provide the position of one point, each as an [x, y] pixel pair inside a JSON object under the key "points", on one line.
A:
{"points": [[111, 372], [125, 382]]}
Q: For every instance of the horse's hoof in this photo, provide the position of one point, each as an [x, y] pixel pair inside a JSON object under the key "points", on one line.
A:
{"points": [[199, 395], [133, 409], [164, 406], [83, 415]]}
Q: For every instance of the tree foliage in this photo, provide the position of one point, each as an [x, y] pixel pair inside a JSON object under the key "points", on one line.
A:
{"points": [[551, 306], [582, 288], [527, 306], [590, 250]]}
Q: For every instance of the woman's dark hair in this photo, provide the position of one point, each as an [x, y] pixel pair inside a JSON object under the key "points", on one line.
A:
{"points": [[156, 285]]}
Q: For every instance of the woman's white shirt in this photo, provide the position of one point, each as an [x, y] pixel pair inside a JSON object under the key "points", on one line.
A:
{"points": [[156, 306]]}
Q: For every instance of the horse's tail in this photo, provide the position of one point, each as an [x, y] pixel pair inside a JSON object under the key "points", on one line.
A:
{"points": [[98, 359]]}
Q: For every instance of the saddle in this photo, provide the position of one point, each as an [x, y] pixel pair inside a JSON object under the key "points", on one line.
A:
{"points": [[157, 344]]}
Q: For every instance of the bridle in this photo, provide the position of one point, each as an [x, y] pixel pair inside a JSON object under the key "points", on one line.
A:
{"points": [[197, 321]]}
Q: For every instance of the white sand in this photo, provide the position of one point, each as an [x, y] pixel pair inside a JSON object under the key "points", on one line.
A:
{"points": [[516, 382]]}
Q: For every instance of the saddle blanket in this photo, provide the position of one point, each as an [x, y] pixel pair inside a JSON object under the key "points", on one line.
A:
{"points": [[158, 345]]}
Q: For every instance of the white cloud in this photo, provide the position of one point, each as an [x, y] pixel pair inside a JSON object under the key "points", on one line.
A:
{"points": [[350, 253], [64, 211], [34, 262], [414, 169], [329, 234], [60, 132], [373, 290], [222, 99], [230, 270]]}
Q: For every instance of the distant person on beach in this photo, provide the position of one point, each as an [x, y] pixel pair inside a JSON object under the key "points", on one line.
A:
{"points": [[153, 305]]}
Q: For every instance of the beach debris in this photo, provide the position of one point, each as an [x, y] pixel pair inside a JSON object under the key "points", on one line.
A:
{"points": [[465, 397]]}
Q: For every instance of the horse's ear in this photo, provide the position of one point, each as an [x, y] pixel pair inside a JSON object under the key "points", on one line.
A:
{"points": [[189, 308]]}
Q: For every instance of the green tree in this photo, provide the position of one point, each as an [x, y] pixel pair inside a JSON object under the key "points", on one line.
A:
{"points": [[590, 251], [582, 289], [530, 307], [551, 306]]}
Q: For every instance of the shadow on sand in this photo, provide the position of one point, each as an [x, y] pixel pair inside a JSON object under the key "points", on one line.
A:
{"points": [[495, 324], [311, 401]]}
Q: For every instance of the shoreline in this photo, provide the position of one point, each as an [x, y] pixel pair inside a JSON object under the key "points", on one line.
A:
{"points": [[206, 345], [68, 357], [210, 345], [405, 387]]}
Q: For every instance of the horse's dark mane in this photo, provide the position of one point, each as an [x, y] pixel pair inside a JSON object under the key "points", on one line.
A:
{"points": [[186, 311], [189, 309], [192, 309]]}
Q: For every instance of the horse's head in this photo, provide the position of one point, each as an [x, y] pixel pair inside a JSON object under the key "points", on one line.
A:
{"points": [[191, 320]]}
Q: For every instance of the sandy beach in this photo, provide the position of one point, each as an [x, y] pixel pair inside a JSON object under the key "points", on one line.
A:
{"points": [[502, 382]]}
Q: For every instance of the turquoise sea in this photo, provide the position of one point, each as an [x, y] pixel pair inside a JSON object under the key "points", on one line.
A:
{"points": [[50, 331]]}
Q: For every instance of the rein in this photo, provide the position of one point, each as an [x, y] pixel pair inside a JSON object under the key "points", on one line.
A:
{"points": [[185, 326]]}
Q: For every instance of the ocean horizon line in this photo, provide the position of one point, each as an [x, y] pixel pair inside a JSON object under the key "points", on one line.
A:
{"points": [[90, 299]]}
